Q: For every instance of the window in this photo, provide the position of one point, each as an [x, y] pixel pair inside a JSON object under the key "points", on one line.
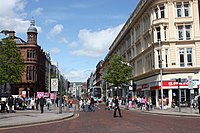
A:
{"points": [[186, 9], [178, 6], [189, 56], [156, 13], [181, 54], [159, 59], [166, 57], [138, 48], [187, 28], [31, 54], [30, 73], [158, 34], [180, 32], [162, 12], [165, 33]]}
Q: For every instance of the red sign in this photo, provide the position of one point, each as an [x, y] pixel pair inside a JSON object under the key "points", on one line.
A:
{"points": [[145, 86], [173, 83], [40, 94], [52, 96]]}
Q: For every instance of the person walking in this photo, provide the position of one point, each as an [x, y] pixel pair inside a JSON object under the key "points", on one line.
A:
{"points": [[37, 101], [10, 103], [42, 102], [116, 107], [199, 103], [92, 104]]}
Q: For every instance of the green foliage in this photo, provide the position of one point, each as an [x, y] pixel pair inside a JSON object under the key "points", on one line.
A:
{"points": [[118, 71], [11, 62]]}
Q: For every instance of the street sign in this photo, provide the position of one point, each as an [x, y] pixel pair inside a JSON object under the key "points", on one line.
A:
{"points": [[54, 84]]}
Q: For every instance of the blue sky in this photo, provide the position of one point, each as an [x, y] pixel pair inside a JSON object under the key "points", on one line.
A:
{"points": [[76, 33]]}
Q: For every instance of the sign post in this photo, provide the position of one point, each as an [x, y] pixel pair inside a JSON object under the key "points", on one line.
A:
{"points": [[190, 86], [54, 87]]}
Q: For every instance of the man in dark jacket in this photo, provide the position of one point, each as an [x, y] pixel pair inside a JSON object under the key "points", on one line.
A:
{"points": [[10, 103], [199, 103], [42, 103], [116, 102]]}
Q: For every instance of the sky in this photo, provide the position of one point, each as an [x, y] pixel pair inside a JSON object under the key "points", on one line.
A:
{"points": [[76, 33]]}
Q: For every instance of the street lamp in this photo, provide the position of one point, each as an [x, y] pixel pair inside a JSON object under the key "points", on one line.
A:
{"points": [[160, 65]]}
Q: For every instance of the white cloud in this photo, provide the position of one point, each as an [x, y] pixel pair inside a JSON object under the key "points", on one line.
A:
{"points": [[37, 12], [49, 21], [95, 43], [55, 31], [64, 40], [12, 16], [77, 75], [55, 51]]}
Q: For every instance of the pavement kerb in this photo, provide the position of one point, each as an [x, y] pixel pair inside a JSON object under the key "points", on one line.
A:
{"points": [[164, 112], [38, 122]]}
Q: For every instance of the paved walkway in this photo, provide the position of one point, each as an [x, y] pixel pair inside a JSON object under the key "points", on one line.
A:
{"points": [[26, 117], [184, 111]]}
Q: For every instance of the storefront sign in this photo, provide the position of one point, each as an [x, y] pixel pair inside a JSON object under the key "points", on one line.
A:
{"points": [[144, 86], [175, 84], [40, 94]]}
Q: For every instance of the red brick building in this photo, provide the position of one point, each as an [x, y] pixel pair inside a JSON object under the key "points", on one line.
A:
{"points": [[33, 77]]}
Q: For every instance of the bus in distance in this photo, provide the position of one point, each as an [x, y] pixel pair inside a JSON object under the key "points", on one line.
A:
{"points": [[96, 92]]}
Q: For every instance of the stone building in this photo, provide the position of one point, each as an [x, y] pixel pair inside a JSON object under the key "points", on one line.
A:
{"points": [[161, 40]]}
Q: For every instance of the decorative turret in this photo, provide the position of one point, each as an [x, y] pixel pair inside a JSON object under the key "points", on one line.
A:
{"points": [[32, 33]]}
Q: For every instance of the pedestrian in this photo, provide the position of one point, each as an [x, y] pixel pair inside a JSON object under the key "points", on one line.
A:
{"points": [[92, 104], [149, 103], [42, 103], [71, 102], [199, 103], [37, 101], [49, 103], [144, 101], [10, 103], [116, 107], [81, 104], [32, 103]]}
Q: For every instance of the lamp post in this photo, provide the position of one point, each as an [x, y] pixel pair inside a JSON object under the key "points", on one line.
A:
{"points": [[160, 65], [179, 92]]}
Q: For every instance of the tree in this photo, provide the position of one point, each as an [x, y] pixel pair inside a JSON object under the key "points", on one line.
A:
{"points": [[11, 62], [118, 71]]}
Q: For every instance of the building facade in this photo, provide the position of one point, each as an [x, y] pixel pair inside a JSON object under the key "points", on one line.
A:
{"points": [[161, 41], [33, 76]]}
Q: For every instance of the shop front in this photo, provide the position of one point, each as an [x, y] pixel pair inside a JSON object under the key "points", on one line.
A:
{"points": [[170, 92]]}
